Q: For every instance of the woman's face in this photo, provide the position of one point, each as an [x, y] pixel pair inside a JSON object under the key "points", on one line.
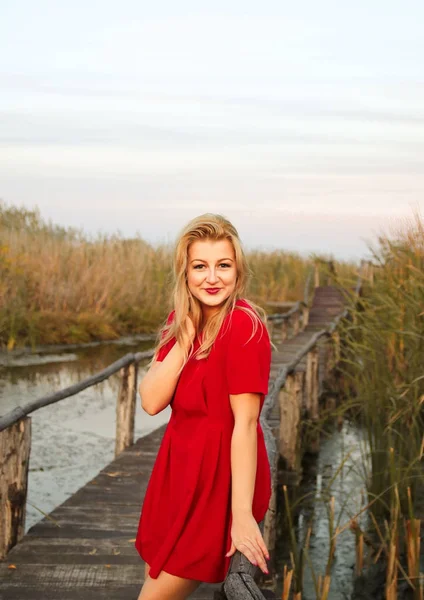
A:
{"points": [[211, 272]]}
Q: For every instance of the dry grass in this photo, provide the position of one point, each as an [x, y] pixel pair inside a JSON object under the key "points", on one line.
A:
{"points": [[383, 362], [59, 285], [382, 366]]}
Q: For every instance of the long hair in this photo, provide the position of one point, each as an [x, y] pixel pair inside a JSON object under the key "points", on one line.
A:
{"points": [[206, 227]]}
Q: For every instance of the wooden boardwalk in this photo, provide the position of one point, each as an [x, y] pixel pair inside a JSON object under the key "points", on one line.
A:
{"points": [[89, 553]]}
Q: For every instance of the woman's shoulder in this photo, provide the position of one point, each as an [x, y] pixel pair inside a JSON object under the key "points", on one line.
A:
{"points": [[170, 317], [245, 321], [241, 315], [163, 330]]}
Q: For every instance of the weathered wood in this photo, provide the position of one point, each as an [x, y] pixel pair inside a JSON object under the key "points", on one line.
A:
{"points": [[240, 581], [295, 323], [19, 412], [305, 316], [316, 275], [280, 304], [15, 447], [284, 330], [269, 528], [312, 399], [335, 337], [125, 408], [270, 325], [290, 398], [286, 315], [312, 384]]}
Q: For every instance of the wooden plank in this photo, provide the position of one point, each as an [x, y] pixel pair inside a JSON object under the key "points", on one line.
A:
{"points": [[123, 592]]}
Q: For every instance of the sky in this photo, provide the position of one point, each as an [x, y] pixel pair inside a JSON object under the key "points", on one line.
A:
{"points": [[302, 122]]}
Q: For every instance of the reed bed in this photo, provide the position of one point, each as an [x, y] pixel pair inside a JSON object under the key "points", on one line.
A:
{"points": [[382, 379], [383, 364], [59, 285]]}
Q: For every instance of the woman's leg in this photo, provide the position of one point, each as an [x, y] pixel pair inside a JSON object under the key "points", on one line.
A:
{"points": [[166, 587]]}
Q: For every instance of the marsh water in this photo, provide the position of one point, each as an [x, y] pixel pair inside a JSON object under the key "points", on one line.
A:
{"points": [[339, 471], [336, 471]]}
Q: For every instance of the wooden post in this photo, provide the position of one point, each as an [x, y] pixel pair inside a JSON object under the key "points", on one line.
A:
{"points": [[125, 408], [284, 330], [316, 274], [312, 398], [329, 358], [270, 328], [332, 357], [295, 318], [290, 398], [269, 529], [371, 267], [15, 447], [305, 316], [331, 272], [336, 342], [365, 265], [312, 383]]}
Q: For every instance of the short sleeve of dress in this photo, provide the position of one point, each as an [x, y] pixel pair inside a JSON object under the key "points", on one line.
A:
{"points": [[167, 347], [249, 356]]}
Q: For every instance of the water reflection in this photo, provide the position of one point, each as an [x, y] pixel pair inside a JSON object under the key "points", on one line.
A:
{"points": [[336, 472], [73, 439]]}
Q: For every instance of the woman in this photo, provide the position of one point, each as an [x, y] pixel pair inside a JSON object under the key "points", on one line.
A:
{"points": [[210, 485]]}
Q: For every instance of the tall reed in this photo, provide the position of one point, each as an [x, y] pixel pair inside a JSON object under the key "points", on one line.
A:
{"points": [[382, 367], [383, 362], [60, 285]]}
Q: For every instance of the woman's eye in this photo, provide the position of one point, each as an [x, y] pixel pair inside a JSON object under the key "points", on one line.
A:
{"points": [[226, 265]]}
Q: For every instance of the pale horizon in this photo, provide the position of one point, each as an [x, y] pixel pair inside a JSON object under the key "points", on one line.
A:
{"points": [[303, 124]]}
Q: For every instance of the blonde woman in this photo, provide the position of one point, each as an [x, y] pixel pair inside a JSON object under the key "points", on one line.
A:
{"points": [[210, 485]]}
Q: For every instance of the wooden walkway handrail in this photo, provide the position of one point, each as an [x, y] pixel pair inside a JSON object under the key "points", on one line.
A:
{"points": [[22, 411], [280, 379], [288, 314], [298, 305], [15, 441]]}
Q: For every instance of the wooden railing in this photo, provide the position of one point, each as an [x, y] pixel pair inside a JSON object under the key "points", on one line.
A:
{"points": [[295, 319], [15, 441]]}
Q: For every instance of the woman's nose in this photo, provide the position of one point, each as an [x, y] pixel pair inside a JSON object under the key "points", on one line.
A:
{"points": [[212, 276]]}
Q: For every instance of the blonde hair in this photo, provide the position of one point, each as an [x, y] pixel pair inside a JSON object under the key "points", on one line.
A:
{"points": [[206, 227]]}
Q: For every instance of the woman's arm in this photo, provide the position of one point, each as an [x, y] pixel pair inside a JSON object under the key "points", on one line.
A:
{"points": [[245, 532], [158, 385]]}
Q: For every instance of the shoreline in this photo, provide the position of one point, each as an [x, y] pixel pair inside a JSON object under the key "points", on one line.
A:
{"points": [[127, 340]]}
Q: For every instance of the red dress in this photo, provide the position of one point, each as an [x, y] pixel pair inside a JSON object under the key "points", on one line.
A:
{"points": [[185, 521]]}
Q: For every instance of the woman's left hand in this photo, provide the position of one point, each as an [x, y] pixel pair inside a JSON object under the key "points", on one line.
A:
{"points": [[247, 538]]}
